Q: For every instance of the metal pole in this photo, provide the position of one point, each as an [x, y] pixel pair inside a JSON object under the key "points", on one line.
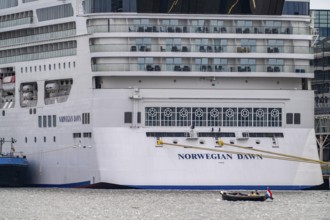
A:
{"points": [[321, 144], [1, 142]]}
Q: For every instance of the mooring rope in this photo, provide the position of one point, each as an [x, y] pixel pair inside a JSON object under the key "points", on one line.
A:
{"points": [[286, 157], [232, 7]]}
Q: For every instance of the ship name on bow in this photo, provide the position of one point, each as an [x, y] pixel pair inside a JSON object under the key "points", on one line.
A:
{"points": [[70, 118]]}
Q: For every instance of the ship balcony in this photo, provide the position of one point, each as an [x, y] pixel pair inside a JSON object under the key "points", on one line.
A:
{"points": [[12, 40], [272, 50], [16, 55], [16, 22], [227, 69], [322, 106], [198, 29]]}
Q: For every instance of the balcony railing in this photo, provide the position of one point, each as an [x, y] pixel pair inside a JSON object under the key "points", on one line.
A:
{"points": [[209, 48], [198, 29], [21, 21], [201, 68], [38, 37], [39, 55]]}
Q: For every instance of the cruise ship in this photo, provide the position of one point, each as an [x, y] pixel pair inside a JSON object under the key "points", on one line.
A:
{"points": [[162, 94]]}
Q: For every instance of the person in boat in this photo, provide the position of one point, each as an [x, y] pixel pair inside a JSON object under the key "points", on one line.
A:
{"points": [[254, 193]]}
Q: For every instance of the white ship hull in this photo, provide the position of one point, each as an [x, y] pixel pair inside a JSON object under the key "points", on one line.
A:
{"points": [[87, 107]]}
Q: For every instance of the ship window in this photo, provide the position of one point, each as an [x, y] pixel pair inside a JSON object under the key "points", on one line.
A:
{"points": [[59, 66], [44, 67], [139, 117], [289, 118], [30, 111], [85, 118], [54, 139], [74, 64], [274, 117], [35, 68], [26, 69], [87, 135], [21, 69], [49, 121], [44, 121], [35, 139], [54, 66], [128, 117], [3, 113], [297, 118], [63, 65], [213, 116], [50, 67], [54, 120], [25, 139], [76, 135], [44, 139], [39, 68], [69, 65], [34, 111], [40, 121]]}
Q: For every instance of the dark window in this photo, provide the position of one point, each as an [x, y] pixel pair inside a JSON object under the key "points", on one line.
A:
{"points": [[34, 111], [297, 118], [25, 139], [128, 117], [49, 121], [296, 8], [30, 111], [76, 135], [40, 121], [139, 117], [54, 120], [3, 113], [85, 118], [35, 139], [87, 135], [44, 121], [289, 118], [54, 139], [44, 139]]}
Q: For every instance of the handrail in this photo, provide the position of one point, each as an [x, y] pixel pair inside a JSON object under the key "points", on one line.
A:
{"points": [[185, 67], [202, 29], [203, 48]]}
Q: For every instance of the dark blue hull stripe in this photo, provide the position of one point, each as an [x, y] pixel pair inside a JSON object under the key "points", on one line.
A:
{"points": [[68, 185], [233, 187], [87, 184]]}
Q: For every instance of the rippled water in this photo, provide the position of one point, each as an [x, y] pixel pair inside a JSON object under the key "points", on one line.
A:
{"points": [[44, 203]]}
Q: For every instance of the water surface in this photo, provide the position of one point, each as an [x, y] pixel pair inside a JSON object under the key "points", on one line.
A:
{"points": [[53, 203]]}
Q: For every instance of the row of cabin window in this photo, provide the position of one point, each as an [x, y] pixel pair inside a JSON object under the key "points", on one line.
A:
{"points": [[86, 118], [35, 139], [50, 67], [39, 49], [85, 135], [37, 31], [51, 119]]}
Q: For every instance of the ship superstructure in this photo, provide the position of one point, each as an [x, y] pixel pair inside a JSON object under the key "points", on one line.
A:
{"points": [[88, 87]]}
